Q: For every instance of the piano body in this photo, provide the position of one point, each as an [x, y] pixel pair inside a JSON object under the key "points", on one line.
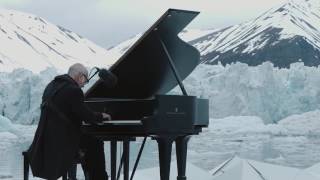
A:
{"points": [[138, 104]]}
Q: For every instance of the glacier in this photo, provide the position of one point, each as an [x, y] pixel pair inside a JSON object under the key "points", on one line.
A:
{"points": [[233, 90], [264, 91], [21, 92]]}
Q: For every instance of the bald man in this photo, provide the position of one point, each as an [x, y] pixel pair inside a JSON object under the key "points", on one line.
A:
{"points": [[58, 137]]}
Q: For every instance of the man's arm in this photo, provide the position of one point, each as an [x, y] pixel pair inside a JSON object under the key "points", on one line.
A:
{"points": [[81, 111]]}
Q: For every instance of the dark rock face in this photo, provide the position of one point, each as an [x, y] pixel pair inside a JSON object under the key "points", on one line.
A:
{"points": [[281, 53]]}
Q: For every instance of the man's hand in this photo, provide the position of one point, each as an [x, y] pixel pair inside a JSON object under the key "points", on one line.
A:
{"points": [[106, 116]]}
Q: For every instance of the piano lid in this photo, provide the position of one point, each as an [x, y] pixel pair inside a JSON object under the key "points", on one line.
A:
{"points": [[144, 70]]}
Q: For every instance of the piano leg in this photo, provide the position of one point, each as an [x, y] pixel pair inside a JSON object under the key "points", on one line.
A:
{"points": [[126, 150], [181, 153], [113, 149], [165, 148]]}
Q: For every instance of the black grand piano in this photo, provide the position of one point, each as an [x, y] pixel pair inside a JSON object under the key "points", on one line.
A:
{"points": [[138, 104]]}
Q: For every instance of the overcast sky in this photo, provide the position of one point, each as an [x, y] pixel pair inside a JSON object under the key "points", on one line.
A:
{"points": [[108, 22]]}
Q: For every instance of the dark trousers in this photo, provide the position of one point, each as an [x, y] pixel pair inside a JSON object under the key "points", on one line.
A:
{"points": [[94, 159]]}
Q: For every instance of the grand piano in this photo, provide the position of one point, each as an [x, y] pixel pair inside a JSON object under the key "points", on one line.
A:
{"points": [[139, 105]]}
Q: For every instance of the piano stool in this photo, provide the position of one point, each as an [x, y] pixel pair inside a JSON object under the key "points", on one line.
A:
{"points": [[70, 175]]}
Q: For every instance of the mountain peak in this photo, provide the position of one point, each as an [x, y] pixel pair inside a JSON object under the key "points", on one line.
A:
{"points": [[294, 22], [31, 42], [305, 3]]}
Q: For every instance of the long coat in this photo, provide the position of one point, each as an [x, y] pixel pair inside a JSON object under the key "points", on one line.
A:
{"points": [[56, 141]]}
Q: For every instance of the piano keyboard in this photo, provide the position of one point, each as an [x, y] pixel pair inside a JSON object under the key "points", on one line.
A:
{"points": [[123, 122]]}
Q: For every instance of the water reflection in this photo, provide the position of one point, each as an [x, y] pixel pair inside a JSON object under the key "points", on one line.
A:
{"points": [[205, 151]]}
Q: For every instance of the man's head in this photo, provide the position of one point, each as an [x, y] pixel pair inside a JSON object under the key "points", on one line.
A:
{"points": [[78, 73]]}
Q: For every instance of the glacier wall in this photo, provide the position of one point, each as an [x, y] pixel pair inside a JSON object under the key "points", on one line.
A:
{"points": [[265, 91], [234, 90], [21, 93]]}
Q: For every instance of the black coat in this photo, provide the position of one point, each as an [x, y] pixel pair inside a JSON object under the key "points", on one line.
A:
{"points": [[57, 139]]}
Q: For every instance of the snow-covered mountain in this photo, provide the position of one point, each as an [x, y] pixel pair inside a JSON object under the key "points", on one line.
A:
{"points": [[32, 43], [186, 35], [282, 35]]}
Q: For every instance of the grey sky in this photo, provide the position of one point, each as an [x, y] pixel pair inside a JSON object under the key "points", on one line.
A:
{"points": [[108, 22]]}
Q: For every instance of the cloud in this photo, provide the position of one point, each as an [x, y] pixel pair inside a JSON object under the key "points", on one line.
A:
{"points": [[108, 22], [227, 7], [8, 3], [213, 13]]}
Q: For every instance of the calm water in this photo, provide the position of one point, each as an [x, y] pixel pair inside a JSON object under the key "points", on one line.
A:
{"points": [[206, 150]]}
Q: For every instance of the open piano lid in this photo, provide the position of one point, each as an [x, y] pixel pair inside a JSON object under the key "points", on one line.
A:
{"points": [[144, 70]]}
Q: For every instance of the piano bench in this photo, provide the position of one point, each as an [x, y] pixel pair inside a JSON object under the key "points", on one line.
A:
{"points": [[70, 175]]}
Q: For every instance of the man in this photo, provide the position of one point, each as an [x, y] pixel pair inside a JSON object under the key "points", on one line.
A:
{"points": [[58, 137]]}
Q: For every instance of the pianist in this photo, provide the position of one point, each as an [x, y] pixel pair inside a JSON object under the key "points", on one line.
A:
{"points": [[58, 137]]}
